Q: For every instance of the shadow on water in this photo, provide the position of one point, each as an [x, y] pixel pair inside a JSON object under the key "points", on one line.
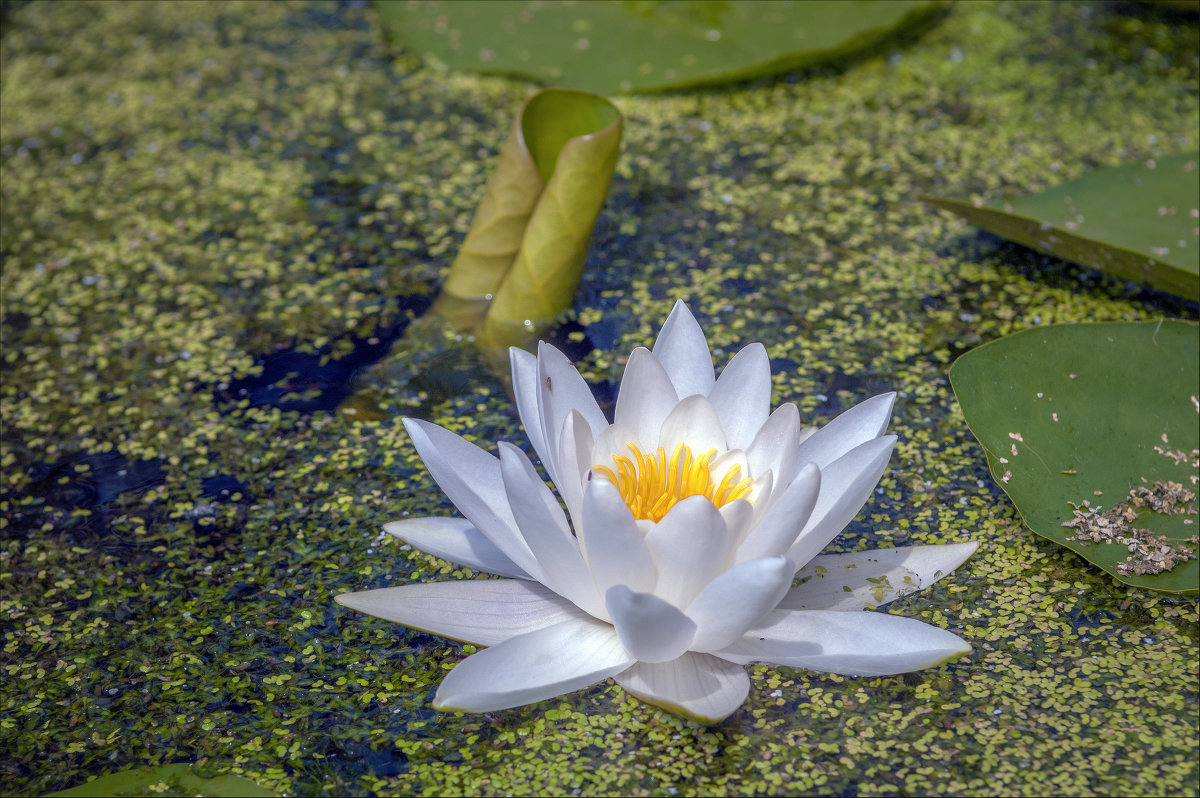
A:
{"points": [[307, 382], [86, 481], [78, 494]]}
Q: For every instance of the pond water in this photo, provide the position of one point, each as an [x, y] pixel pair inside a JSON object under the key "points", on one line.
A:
{"points": [[217, 217]]}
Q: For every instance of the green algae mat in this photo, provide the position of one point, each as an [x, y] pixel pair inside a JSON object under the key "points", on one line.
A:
{"points": [[222, 226]]}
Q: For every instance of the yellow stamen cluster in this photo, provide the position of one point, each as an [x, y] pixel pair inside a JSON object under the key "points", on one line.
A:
{"points": [[651, 484]]}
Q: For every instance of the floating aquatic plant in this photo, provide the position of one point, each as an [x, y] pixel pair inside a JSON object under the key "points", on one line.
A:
{"points": [[178, 779], [1091, 430], [691, 515], [524, 254], [1139, 222], [611, 46]]}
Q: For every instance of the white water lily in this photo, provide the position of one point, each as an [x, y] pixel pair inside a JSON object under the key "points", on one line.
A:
{"points": [[692, 516]]}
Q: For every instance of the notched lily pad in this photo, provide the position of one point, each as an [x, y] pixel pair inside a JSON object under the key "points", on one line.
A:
{"points": [[1139, 223], [1091, 430], [166, 780], [621, 46]]}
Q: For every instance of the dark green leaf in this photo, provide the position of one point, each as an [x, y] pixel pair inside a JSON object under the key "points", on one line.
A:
{"points": [[618, 46], [165, 780], [1140, 223], [1083, 413]]}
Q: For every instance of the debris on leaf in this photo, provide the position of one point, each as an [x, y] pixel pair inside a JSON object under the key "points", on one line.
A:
{"points": [[1148, 553]]}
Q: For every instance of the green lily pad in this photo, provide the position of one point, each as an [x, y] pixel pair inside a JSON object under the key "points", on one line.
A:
{"points": [[524, 254], [1082, 415], [166, 780], [621, 46], [1140, 223]]}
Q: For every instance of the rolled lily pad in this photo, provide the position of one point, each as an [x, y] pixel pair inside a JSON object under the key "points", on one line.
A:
{"points": [[524, 254], [1079, 417], [621, 46], [1140, 223], [165, 780]]}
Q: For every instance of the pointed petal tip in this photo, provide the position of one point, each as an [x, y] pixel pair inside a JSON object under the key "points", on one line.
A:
{"points": [[956, 653], [442, 705], [544, 348], [958, 554], [889, 399], [516, 353]]}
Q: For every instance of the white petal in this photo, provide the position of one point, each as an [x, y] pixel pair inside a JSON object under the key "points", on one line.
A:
{"points": [[689, 547], [645, 398], [698, 686], [742, 395], [853, 581], [650, 629], [931, 563], [454, 539], [529, 497], [693, 422], [541, 521], [533, 667], [471, 478], [683, 353], [574, 461], [844, 587], [525, 390], [560, 390], [727, 460], [762, 494], [737, 600], [739, 519], [845, 486], [781, 524], [480, 611], [613, 440], [859, 424], [774, 447], [850, 643], [613, 546]]}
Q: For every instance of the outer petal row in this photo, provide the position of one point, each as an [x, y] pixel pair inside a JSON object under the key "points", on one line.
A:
{"points": [[454, 539], [855, 580], [545, 663], [471, 478], [481, 611], [850, 643], [698, 686]]}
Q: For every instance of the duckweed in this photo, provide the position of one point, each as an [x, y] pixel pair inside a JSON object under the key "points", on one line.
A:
{"points": [[191, 187]]}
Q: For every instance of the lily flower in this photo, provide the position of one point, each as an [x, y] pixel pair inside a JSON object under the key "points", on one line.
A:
{"points": [[692, 516]]}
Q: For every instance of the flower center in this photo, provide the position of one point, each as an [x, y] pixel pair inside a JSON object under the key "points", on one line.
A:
{"points": [[651, 484]]}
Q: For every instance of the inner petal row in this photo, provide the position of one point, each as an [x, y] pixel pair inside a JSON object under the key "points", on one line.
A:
{"points": [[651, 484]]}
